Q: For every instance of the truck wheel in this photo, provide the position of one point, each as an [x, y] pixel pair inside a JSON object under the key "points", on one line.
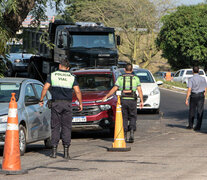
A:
{"points": [[22, 139], [47, 143], [31, 71], [10, 71]]}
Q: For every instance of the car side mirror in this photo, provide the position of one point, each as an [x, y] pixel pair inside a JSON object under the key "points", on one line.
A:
{"points": [[31, 101], [159, 83], [118, 40]]}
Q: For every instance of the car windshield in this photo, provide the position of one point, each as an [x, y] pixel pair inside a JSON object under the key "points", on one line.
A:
{"points": [[144, 76], [95, 82], [91, 40], [6, 89]]}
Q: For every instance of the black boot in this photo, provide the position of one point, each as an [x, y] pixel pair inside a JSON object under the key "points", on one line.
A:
{"points": [[54, 152], [125, 136], [66, 152], [131, 138]]}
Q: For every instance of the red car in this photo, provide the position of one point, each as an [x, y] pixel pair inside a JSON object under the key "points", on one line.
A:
{"points": [[94, 85]]}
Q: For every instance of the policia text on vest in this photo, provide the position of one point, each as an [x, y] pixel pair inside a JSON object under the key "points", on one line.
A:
{"points": [[61, 82], [128, 84]]}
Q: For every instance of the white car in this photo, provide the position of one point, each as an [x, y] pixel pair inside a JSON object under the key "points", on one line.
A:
{"points": [[150, 89], [183, 74]]}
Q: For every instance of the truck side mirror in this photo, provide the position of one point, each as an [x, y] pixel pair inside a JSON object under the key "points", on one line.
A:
{"points": [[118, 40]]}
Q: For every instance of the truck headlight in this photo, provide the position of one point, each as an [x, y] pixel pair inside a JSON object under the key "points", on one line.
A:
{"points": [[109, 98], [3, 119], [155, 91], [105, 107], [17, 60]]}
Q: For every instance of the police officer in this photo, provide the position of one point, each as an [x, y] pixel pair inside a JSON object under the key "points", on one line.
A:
{"points": [[196, 91], [61, 82], [128, 84]]}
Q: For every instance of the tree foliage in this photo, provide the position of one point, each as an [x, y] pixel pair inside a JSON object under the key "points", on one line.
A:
{"points": [[133, 19], [12, 15], [183, 36]]}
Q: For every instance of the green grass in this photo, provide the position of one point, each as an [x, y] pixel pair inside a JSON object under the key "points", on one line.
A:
{"points": [[167, 84], [177, 84]]}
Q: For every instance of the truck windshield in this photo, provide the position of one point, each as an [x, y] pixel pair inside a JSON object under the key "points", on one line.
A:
{"points": [[92, 40], [6, 89], [95, 82]]}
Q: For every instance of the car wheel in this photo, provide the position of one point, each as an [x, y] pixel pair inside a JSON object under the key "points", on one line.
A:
{"points": [[22, 139], [48, 143], [156, 111], [111, 132]]}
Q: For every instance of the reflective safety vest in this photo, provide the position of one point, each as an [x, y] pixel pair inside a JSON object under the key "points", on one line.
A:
{"points": [[128, 92], [168, 76]]}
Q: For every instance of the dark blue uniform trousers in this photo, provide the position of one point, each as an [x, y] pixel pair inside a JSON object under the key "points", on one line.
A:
{"points": [[129, 113], [61, 122]]}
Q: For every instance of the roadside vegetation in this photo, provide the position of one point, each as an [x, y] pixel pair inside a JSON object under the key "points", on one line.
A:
{"points": [[183, 37]]}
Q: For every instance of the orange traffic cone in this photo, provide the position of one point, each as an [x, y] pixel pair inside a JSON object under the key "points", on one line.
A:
{"points": [[11, 158], [119, 140]]}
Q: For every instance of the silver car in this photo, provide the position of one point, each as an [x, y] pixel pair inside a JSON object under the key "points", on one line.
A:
{"points": [[34, 120]]}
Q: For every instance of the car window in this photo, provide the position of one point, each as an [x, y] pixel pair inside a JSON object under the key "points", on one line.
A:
{"points": [[38, 89], [201, 73], [6, 89], [189, 72], [29, 92], [181, 73], [177, 74], [144, 76]]}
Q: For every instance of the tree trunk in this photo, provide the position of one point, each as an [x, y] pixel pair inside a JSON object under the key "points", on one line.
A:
{"points": [[13, 20]]}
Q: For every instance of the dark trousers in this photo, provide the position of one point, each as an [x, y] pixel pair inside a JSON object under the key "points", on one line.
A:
{"points": [[196, 103], [61, 122], [129, 113]]}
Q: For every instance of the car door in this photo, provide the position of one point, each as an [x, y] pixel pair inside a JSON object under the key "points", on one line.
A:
{"points": [[33, 113], [45, 117], [176, 76]]}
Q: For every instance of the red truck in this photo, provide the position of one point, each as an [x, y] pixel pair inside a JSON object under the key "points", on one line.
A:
{"points": [[94, 85]]}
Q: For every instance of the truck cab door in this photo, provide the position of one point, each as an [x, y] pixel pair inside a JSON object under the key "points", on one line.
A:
{"points": [[61, 45]]}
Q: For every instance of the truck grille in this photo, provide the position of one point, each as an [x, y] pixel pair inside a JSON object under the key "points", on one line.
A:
{"points": [[87, 111]]}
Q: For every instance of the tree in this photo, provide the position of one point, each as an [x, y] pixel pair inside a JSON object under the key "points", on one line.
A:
{"points": [[135, 20], [183, 36], [14, 12]]}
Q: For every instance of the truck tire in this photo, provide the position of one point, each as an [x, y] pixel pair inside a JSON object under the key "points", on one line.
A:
{"points": [[32, 73], [10, 72]]}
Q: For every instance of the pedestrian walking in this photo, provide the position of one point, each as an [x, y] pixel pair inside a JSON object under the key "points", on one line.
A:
{"points": [[128, 84], [61, 82], [196, 91]]}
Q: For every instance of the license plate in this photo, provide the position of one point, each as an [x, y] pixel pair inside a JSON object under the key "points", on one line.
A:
{"points": [[79, 119]]}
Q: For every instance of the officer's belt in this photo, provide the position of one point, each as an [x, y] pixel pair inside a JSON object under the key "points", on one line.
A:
{"points": [[198, 92]]}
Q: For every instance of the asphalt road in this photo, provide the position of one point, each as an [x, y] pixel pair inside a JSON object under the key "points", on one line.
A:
{"points": [[160, 150]]}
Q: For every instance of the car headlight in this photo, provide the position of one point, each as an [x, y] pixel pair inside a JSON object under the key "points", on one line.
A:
{"points": [[3, 119], [155, 91], [17, 60], [105, 107], [109, 98]]}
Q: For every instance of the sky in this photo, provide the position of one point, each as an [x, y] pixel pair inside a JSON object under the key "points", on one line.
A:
{"points": [[51, 12]]}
